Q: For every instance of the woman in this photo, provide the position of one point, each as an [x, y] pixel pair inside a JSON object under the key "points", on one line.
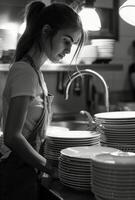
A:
{"points": [[49, 34]]}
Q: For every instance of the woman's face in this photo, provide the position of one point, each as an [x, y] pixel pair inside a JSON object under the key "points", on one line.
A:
{"points": [[61, 44]]}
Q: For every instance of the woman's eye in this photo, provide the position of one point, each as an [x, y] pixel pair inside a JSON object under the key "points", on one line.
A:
{"points": [[67, 42]]}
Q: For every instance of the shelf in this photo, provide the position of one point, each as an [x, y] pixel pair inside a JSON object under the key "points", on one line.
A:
{"points": [[60, 67]]}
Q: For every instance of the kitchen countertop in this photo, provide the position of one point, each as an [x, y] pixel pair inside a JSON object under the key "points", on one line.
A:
{"points": [[61, 67], [66, 193]]}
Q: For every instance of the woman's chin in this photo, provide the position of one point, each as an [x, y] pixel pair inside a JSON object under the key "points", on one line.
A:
{"points": [[56, 60]]}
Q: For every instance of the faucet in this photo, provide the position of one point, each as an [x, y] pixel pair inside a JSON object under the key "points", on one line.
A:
{"points": [[92, 123], [89, 72]]}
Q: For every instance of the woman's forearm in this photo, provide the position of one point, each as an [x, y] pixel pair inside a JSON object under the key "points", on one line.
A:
{"points": [[21, 147]]}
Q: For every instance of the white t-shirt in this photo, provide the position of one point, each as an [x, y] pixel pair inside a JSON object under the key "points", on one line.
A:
{"points": [[23, 80]]}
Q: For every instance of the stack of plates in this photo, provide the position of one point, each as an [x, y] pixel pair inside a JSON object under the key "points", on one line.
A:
{"points": [[75, 165], [113, 176], [56, 141], [105, 47], [51, 130], [117, 129]]}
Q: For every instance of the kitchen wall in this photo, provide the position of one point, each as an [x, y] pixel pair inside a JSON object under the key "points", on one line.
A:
{"points": [[118, 83]]}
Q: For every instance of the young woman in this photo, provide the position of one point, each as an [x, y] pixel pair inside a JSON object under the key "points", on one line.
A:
{"points": [[49, 34]]}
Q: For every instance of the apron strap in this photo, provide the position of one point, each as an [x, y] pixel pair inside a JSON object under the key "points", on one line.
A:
{"points": [[30, 60], [38, 126]]}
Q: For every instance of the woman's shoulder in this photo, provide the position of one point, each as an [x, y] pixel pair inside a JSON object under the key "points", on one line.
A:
{"points": [[22, 67]]}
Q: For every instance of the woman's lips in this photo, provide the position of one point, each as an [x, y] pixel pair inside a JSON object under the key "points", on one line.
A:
{"points": [[61, 56]]}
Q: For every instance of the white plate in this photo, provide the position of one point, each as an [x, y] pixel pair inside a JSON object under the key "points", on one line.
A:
{"points": [[54, 130], [116, 158], [86, 152], [116, 115], [73, 134]]}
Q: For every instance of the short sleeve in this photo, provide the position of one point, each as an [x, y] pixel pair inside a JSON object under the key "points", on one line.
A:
{"points": [[23, 80]]}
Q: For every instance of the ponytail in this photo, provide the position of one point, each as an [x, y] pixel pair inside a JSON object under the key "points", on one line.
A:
{"points": [[33, 11], [26, 41]]}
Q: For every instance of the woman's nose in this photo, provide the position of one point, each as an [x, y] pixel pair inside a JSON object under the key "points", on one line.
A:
{"points": [[68, 49]]}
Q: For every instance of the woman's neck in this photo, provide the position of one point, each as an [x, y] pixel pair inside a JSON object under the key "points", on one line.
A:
{"points": [[37, 58]]}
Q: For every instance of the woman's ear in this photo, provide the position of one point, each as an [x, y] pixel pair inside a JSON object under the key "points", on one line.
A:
{"points": [[46, 29]]}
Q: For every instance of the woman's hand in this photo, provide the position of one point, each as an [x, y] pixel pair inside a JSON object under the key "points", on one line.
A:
{"points": [[50, 174], [46, 180], [51, 170]]}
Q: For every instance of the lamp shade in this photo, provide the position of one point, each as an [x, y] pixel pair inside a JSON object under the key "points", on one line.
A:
{"points": [[127, 12], [90, 19]]}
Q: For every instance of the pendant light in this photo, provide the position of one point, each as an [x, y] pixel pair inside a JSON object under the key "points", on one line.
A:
{"points": [[89, 16], [127, 12]]}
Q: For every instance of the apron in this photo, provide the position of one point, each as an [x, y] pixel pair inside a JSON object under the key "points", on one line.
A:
{"points": [[18, 180]]}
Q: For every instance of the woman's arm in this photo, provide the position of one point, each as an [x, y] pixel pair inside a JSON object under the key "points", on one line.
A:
{"points": [[13, 137]]}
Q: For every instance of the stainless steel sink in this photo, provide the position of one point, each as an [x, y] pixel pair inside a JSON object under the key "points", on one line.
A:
{"points": [[72, 124]]}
